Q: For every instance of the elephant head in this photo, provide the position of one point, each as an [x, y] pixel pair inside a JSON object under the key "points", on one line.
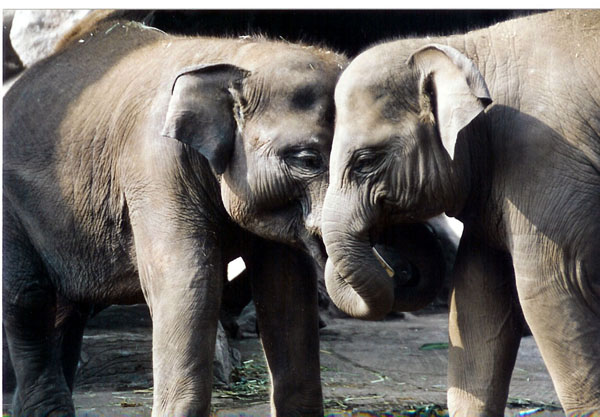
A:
{"points": [[264, 122], [393, 162]]}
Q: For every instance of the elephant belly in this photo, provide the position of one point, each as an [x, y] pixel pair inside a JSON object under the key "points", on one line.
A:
{"points": [[84, 266], [93, 277]]}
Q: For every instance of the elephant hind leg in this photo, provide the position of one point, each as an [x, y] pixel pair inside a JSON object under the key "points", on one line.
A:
{"points": [[284, 288], [34, 341], [561, 307], [569, 340]]}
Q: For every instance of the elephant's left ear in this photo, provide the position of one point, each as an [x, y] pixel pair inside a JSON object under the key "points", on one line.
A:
{"points": [[452, 90], [202, 110]]}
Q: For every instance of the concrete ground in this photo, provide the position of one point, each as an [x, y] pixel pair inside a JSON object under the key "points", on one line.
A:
{"points": [[383, 368]]}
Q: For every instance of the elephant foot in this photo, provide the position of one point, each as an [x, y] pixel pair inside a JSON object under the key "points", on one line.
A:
{"points": [[297, 412], [307, 402], [62, 411], [182, 411], [52, 406]]}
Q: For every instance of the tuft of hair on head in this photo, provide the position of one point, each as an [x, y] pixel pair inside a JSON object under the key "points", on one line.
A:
{"points": [[91, 22]]}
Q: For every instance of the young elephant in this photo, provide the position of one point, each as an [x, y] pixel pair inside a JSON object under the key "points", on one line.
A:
{"points": [[131, 159], [412, 140]]}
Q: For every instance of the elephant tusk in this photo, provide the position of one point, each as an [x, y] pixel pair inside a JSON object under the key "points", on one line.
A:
{"points": [[390, 271]]}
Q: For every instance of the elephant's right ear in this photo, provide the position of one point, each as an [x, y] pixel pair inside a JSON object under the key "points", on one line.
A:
{"points": [[202, 109], [453, 91]]}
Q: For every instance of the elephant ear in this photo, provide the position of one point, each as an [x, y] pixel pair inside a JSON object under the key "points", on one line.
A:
{"points": [[452, 90], [203, 110]]}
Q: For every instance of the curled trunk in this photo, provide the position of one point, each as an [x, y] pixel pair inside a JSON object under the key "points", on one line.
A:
{"points": [[358, 282]]}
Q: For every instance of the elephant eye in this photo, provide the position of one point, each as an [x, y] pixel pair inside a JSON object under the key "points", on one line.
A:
{"points": [[306, 160], [366, 162]]}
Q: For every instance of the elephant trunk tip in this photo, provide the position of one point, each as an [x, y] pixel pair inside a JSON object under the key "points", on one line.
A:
{"points": [[358, 301]]}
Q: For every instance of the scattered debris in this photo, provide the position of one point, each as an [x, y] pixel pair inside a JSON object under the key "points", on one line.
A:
{"points": [[526, 402], [249, 382], [430, 410], [125, 404]]}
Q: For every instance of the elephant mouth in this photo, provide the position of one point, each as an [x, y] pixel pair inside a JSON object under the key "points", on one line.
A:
{"points": [[403, 272], [411, 256], [316, 249]]}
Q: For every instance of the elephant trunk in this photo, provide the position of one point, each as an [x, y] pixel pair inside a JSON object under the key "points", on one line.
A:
{"points": [[356, 280], [402, 270]]}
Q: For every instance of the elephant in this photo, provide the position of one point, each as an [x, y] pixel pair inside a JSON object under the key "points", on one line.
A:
{"points": [[136, 165], [417, 134]]}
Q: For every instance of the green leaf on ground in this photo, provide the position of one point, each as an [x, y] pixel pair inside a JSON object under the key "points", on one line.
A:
{"points": [[434, 346]]}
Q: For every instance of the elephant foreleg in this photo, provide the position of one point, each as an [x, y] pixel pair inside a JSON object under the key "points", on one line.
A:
{"points": [[284, 287], [182, 281], [485, 327]]}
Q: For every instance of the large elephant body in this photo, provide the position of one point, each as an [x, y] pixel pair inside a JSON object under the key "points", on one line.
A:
{"points": [[412, 140], [136, 165]]}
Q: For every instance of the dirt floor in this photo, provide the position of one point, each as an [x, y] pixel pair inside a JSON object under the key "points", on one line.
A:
{"points": [[395, 367]]}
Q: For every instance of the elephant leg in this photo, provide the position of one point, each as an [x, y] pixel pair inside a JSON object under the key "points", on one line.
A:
{"points": [[72, 321], [236, 295], [284, 287], [560, 295], [182, 280], [485, 326], [34, 341]]}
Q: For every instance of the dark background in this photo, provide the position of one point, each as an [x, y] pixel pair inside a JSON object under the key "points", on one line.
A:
{"points": [[349, 31]]}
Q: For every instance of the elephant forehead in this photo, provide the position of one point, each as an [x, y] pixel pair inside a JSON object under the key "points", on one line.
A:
{"points": [[303, 86], [294, 65], [293, 93], [363, 97], [303, 105], [301, 131], [362, 119], [373, 104], [356, 135], [379, 77], [370, 72], [354, 90]]}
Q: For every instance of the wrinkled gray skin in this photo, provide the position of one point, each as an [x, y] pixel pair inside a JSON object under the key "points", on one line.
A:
{"points": [[131, 160], [412, 140]]}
